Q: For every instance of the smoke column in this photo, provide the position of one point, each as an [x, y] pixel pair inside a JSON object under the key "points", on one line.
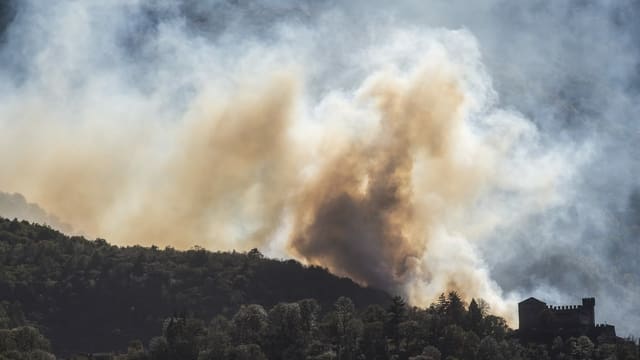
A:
{"points": [[420, 148]]}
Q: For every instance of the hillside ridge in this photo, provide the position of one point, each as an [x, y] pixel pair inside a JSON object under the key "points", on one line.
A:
{"points": [[74, 288]]}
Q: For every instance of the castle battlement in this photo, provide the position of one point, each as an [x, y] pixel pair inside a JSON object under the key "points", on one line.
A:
{"points": [[564, 308], [541, 321]]}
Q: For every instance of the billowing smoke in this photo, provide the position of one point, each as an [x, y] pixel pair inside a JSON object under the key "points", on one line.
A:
{"points": [[358, 215], [423, 147], [384, 208]]}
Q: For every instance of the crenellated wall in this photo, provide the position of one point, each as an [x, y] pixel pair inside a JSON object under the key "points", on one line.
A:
{"points": [[538, 319]]}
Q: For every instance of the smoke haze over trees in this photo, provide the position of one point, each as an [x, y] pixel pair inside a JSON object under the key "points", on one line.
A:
{"points": [[487, 147], [94, 300]]}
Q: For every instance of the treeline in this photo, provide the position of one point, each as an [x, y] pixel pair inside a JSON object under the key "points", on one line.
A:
{"points": [[298, 331], [90, 296], [301, 330]]}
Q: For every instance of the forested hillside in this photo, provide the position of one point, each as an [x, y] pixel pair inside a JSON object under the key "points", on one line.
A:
{"points": [[83, 299], [90, 296]]}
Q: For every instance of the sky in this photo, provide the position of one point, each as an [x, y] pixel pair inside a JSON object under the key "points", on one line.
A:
{"points": [[416, 146]]}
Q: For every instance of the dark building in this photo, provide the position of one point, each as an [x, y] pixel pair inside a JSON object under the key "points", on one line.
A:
{"points": [[542, 322]]}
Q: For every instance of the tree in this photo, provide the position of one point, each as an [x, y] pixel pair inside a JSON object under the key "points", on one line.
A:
{"points": [[135, 351], [538, 352], [431, 353], [605, 352], [249, 324], [309, 312], [184, 336], [218, 340], [474, 316], [158, 348], [255, 254], [452, 343], [7, 341], [441, 305], [374, 313], [410, 341], [346, 329], [626, 350], [557, 348], [373, 344], [395, 315], [489, 349], [319, 350], [455, 309], [5, 321], [582, 349], [471, 345], [284, 338], [28, 338], [495, 327], [24, 342]]}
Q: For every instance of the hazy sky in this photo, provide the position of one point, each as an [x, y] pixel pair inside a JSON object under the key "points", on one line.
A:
{"points": [[419, 146]]}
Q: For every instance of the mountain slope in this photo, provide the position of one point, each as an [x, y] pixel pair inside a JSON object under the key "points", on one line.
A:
{"points": [[90, 296]]}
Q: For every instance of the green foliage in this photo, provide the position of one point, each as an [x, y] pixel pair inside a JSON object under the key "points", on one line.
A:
{"points": [[285, 335], [431, 353], [90, 295], [475, 316], [249, 324], [24, 342], [395, 316], [286, 331], [159, 348], [94, 296]]}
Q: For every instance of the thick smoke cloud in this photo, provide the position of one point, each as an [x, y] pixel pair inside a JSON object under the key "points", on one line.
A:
{"points": [[419, 147], [356, 215], [385, 208]]}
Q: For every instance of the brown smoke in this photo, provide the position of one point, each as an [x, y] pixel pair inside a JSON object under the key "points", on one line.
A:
{"points": [[229, 157], [361, 216], [380, 206], [232, 159]]}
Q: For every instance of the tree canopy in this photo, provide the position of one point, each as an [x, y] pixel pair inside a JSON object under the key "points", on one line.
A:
{"points": [[88, 299]]}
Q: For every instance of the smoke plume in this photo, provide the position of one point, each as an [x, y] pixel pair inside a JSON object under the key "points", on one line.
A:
{"points": [[419, 148]]}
